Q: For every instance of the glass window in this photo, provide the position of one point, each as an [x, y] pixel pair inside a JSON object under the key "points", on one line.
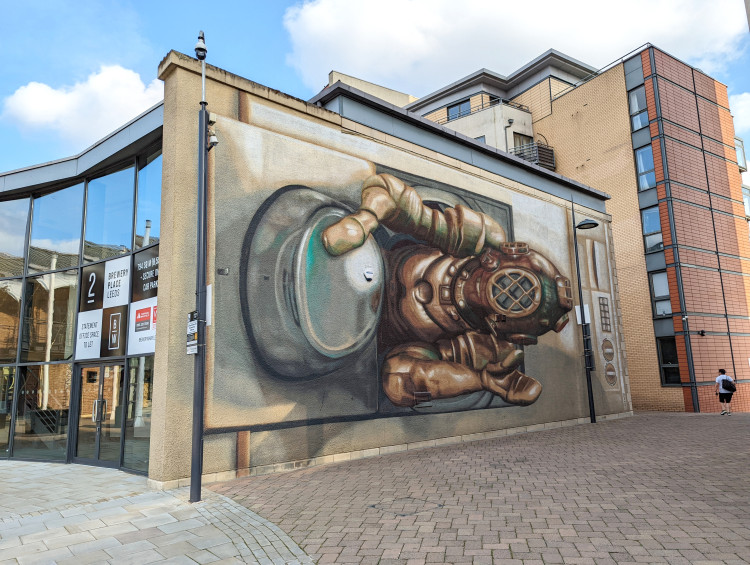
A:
{"points": [[148, 213], [663, 307], [746, 200], [638, 112], [41, 428], [739, 146], [109, 215], [660, 284], [651, 220], [652, 229], [481, 138], [7, 378], [668, 359], [637, 99], [49, 316], [56, 230], [644, 161], [138, 416], [13, 217], [520, 139], [10, 318], [459, 110], [660, 294], [639, 121]]}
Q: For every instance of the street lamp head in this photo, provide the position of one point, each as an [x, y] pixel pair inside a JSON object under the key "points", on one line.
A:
{"points": [[587, 224], [200, 47]]}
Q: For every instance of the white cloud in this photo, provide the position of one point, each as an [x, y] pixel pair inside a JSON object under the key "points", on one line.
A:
{"points": [[418, 46], [87, 111], [739, 104]]}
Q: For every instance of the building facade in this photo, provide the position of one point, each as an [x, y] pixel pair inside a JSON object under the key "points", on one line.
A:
{"points": [[377, 282], [658, 136]]}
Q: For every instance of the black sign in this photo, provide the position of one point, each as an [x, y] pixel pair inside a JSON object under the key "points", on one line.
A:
{"points": [[146, 274], [92, 287], [114, 331]]}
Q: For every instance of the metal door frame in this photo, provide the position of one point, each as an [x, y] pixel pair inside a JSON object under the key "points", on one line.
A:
{"points": [[78, 393]]}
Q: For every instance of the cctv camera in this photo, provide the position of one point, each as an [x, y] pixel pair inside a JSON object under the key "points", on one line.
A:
{"points": [[200, 47]]}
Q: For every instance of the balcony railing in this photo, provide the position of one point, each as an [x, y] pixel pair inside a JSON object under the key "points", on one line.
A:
{"points": [[483, 106], [537, 153]]}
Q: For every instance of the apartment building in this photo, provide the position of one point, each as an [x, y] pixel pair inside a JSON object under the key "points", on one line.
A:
{"points": [[657, 135]]}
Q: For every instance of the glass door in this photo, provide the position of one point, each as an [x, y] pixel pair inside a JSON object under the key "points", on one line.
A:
{"points": [[98, 439]]}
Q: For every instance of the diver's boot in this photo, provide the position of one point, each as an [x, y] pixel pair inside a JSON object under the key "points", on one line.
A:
{"points": [[514, 388]]}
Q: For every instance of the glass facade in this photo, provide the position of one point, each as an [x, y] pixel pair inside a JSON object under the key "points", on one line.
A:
{"points": [[68, 278]]}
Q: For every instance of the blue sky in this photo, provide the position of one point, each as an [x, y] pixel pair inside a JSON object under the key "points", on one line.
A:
{"points": [[76, 70]]}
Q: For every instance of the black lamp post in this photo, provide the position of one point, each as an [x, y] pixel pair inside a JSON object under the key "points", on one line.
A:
{"points": [[588, 356], [196, 463]]}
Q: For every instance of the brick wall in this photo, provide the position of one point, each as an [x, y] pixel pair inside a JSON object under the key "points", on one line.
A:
{"points": [[704, 189], [589, 128]]}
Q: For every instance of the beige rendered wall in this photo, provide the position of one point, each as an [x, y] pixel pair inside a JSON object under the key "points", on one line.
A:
{"points": [[589, 128], [243, 106]]}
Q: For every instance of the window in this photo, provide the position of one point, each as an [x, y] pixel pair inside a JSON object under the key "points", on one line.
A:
{"points": [[644, 162], [739, 146], [55, 244], [670, 368], [746, 200], [481, 138], [148, 214], [109, 215], [459, 110], [652, 229], [638, 110], [13, 217], [660, 294], [520, 139]]}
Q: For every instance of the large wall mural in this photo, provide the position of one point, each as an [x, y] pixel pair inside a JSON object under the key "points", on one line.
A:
{"points": [[364, 290]]}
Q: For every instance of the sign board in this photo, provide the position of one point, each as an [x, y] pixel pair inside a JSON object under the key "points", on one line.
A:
{"points": [[142, 322], [103, 309], [192, 333], [585, 312]]}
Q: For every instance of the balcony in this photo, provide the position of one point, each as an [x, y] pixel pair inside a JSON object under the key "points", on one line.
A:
{"points": [[465, 108], [537, 153]]}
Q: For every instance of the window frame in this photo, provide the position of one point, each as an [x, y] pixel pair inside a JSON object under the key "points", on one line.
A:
{"points": [[637, 112], [661, 297], [461, 113], [651, 233], [644, 174], [663, 365]]}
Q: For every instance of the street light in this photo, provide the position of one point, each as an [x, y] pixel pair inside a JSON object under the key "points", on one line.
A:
{"points": [[196, 463], [588, 357]]}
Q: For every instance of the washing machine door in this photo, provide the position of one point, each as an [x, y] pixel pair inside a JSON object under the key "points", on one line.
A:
{"points": [[306, 312]]}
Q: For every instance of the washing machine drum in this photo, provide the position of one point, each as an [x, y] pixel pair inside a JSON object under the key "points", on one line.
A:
{"points": [[306, 312]]}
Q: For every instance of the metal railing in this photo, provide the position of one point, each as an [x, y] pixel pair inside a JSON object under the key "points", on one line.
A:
{"points": [[481, 107], [537, 153]]}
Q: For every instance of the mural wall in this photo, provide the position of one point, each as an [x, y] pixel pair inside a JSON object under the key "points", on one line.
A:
{"points": [[367, 283]]}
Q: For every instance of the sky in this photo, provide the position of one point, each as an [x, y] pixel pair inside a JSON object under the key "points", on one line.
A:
{"points": [[74, 71]]}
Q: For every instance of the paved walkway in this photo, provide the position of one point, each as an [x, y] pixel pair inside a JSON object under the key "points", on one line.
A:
{"points": [[654, 488], [74, 514]]}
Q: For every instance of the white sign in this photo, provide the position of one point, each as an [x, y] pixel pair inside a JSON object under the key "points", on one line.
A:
{"points": [[89, 334], [116, 282], [142, 327], [585, 312]]}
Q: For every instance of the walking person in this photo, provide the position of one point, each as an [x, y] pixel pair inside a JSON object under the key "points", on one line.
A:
{"points": [[725, 396]]}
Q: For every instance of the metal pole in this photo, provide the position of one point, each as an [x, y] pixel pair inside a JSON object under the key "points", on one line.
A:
{"points": [[585, 329], [196, 464]]}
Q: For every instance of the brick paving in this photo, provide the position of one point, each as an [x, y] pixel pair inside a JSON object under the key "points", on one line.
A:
{"points": [[74, 515], [654, 488]]}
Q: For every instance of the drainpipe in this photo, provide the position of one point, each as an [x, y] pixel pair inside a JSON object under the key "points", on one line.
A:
{"points": [[505, 133]]}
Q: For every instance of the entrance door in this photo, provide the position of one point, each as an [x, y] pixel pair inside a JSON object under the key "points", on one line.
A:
{"points": [[100, 414]]}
